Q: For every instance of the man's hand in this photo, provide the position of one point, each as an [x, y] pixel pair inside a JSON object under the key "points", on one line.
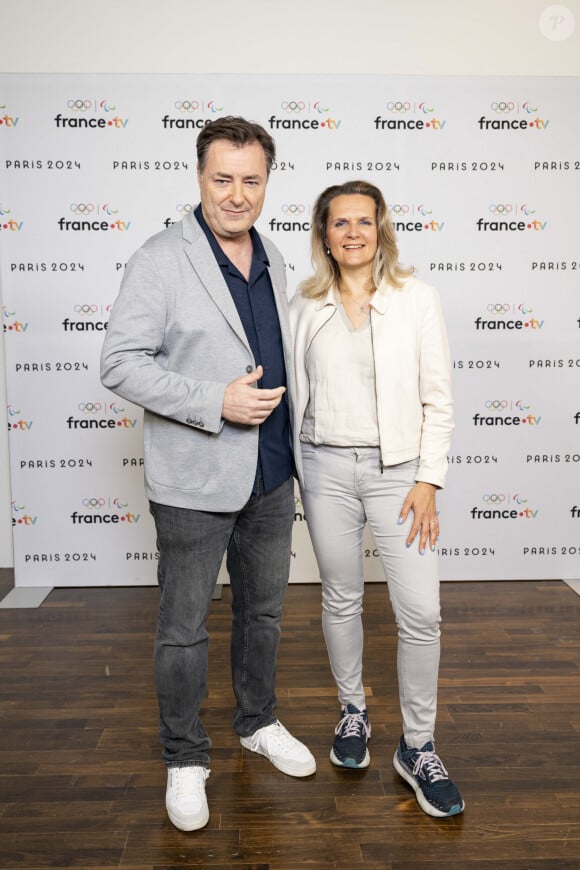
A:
{"points": [[244, 403]]}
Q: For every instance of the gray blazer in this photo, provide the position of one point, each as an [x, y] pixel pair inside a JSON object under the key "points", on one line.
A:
{"points": [[174, 341]]}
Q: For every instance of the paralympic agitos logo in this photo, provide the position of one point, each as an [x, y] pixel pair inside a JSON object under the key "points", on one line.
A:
{"points": [[90, 114]]}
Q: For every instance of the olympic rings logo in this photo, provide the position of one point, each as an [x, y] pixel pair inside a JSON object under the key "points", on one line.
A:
{"points": [[93, 502], [496, 404], [500, 208], [399, 209], [498, 308], [293, 208], [82, 207], [184, 208], [398, 106], [79, 105], [186, 105], [293, 105], [86, 309], [89, 407], [502, 106], [494, 498]]}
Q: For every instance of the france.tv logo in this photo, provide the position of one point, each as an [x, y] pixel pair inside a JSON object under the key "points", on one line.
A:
{"points": [[506, 412], [91, 217], [191, 114], [15, 421], [104, 511], [88, 113], [291, 220], [410, 115], [21, 517], [513, 115], [7, 120], [509, 316], [507, 216], [100, 415], [8, 223], [298, 114], [502, 506], [406, 217], [11, 324]]}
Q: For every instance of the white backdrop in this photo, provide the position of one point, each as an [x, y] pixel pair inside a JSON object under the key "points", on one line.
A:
{"points": [[482, 178]]}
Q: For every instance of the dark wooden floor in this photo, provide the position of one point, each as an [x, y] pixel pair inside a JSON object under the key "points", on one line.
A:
{"points": [[81, 784]]}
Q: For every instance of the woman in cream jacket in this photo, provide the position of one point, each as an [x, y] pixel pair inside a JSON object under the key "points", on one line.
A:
{"points": [[374, 414]]}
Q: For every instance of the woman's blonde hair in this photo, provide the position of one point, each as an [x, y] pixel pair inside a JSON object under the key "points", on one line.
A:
{"points": [[326, 271]]}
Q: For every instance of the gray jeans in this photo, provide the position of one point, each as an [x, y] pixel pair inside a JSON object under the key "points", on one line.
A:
{"points": [[344, 488], [191, 546]]}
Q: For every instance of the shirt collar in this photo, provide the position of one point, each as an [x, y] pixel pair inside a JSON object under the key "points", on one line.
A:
{"points": [[259, 252]]}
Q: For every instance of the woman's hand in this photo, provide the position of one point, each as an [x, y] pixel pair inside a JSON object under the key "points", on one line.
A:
{"points": [[421, 500]]}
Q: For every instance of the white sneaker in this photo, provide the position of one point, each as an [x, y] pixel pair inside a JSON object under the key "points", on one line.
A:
{"points": [[284, 751], [185, 797]]}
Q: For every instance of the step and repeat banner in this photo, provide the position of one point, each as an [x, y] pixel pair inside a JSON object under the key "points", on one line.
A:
{"points": [[482, 177]]}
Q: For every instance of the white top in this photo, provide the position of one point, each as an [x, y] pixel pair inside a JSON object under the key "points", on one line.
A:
{"points": [[342, 406]]}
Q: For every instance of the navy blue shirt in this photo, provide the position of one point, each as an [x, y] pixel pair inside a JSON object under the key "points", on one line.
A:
{"points": [[254, 300]]}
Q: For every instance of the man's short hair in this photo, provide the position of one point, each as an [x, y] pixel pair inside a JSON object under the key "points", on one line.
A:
{"points": [[239, 132]]}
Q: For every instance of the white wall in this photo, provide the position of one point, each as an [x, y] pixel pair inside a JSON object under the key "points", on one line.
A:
{"points": [[447, 37]]}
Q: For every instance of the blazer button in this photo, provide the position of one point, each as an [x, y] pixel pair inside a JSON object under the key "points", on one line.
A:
{"points": [[188, 420], [249, 369]]}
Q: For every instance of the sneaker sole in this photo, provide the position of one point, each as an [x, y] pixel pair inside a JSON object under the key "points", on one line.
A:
{"points": [[427, 808], [193, 823], [351, 763], [284, 767]]}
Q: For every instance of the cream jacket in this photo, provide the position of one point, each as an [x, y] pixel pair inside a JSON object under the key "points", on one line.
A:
{"points": [[412, 372]]}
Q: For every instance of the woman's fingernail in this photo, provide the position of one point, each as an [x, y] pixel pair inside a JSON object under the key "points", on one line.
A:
{"points": [[433, 548], [399, 521], [422, 551], [407, 546]]}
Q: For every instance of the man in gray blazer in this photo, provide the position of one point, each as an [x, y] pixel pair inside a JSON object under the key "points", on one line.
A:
{"points": [[199, 337]]}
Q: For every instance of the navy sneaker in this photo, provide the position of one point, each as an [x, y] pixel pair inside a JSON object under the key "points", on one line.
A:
{"points": [[437, 795], [350, 743]]}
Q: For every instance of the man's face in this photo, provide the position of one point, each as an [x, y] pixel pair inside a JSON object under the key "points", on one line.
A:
{"points": [[232, 187]]}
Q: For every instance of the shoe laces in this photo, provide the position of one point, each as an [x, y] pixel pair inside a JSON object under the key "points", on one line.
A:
{"points": [[351, 725], [187, 782], [429, 766], [277, 737]]}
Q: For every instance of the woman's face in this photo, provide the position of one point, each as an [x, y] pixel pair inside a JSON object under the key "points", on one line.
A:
{"points": [[351, 230]]}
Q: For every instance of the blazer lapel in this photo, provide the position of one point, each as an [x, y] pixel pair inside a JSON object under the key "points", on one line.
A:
{"points": [[210, 275]]}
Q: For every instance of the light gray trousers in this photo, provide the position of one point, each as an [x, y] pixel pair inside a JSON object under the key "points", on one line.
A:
{"points": [[343, 488]]}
